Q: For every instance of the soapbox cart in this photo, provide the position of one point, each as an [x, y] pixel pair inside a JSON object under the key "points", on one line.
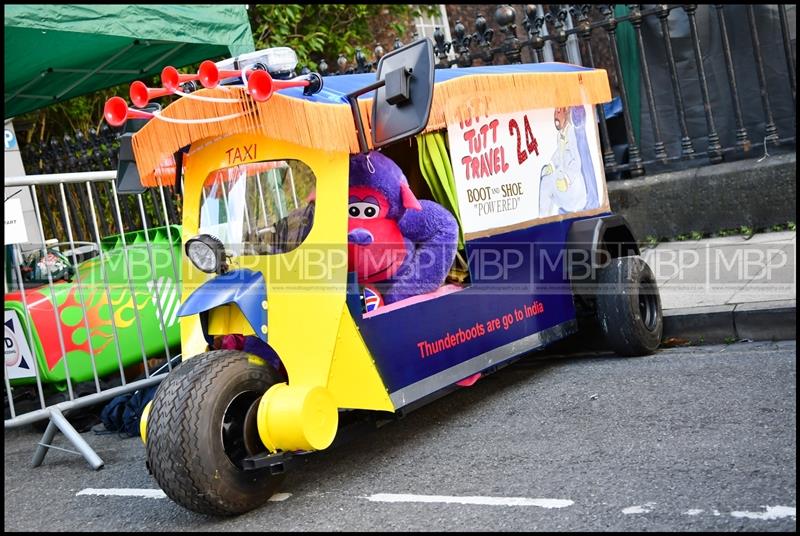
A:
{"points": [[284, 346]]}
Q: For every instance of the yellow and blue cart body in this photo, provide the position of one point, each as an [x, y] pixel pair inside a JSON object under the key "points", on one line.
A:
{"points": [[336, 357]]}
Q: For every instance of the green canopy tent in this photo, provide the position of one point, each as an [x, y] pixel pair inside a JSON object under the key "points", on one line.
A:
{"points": [[56, 52]]}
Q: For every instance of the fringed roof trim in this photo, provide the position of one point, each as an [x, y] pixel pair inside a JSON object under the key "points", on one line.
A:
{"points": [[330, 127]]}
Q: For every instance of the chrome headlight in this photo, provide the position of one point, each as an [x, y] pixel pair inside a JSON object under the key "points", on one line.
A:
{"points": [[207, 253]]}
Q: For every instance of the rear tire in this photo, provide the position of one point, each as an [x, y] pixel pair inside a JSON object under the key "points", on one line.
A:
{"points": [[200, 428], [629, 307]]}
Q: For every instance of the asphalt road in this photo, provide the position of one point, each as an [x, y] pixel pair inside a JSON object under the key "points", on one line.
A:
{"points": [[689, 439]]}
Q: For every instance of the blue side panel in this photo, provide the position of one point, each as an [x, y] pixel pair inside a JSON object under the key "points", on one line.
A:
{"points": [[243, 287], [519, 287]]}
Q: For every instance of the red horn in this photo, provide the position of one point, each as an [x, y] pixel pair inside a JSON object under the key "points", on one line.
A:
{"points": [[171, 78], [210, 75], [141, 94], [116, 112], [261, 85]]}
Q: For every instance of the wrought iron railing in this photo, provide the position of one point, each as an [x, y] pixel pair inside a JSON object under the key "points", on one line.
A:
{"points": [[94, 151], [579, 33]]}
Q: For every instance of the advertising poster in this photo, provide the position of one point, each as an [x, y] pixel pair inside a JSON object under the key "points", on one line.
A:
{"points": [[19, 359], [14, 231], [512, 169]]}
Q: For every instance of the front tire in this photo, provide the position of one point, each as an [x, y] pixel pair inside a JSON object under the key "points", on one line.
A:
{"points": [[202, 425], [629, 307]]}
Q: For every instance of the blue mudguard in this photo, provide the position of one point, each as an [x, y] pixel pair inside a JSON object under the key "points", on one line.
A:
{"points": [[243, 287]]}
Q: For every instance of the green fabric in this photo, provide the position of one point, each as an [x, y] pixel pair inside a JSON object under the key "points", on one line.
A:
{"points": [[434, 162], [88, 37], [629, 61]]}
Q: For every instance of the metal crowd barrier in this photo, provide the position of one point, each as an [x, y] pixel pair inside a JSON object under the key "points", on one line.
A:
{"points": [[119, 272]]}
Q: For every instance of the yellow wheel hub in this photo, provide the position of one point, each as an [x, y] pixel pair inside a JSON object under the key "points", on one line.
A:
{"points": [[143, 421], [297, 418]]}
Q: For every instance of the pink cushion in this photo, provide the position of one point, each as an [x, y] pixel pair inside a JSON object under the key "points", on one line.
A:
{"points": [[441, 291]]}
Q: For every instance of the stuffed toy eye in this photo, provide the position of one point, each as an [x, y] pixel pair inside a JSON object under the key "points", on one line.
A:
{"points": [[364, 210]]}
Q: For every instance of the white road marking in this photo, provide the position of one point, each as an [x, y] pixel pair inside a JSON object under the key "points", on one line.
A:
{"points": [[151, 493], [124, 492], [773, 512], [645, 508], [489, 501]]}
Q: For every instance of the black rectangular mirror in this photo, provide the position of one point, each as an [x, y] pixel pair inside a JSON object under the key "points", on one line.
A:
{"points": [[402, 104]]}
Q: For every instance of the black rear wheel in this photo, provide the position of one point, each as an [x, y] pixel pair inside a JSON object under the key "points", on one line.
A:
{"points": [[202, 425], [629, 306]]}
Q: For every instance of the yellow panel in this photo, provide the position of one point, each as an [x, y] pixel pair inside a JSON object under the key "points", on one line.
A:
{"points": [[227, 319], [306, 287], [192, 340], [218, 320], [354, 380], [238, 322]]}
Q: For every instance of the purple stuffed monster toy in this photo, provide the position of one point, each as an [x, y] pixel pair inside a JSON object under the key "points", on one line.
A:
{"points": [[401, 246]]}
